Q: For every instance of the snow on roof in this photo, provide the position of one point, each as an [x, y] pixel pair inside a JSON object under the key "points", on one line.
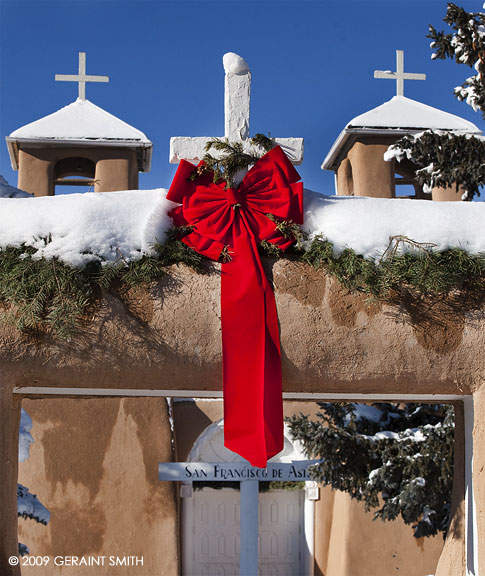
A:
{"points": [[85, 227], [366, 224], [81, 121], [398, 116], [401, 112]]}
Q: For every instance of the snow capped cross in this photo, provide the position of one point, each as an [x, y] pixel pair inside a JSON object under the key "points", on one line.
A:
{"points": [[81, 78], [399, 75], [236, 118]]}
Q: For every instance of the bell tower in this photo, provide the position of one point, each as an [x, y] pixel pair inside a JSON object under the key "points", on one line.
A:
{"points": [[357, 156], [80, 144]]}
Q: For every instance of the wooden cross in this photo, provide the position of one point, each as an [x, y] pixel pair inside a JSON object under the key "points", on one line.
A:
{"points": [[399, 75], [82, 77], [236, 118]]}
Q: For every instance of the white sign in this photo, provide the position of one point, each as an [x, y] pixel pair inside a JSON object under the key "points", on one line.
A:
{"points": [[234, 471]]}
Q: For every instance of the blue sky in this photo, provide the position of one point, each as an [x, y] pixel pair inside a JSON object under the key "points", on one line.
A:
{"points": [[312, 66]]}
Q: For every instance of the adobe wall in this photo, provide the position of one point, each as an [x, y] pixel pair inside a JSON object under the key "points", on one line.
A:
{"points": [[9, 442], [453, 558], [371, 174], [447, 194], [350, 543], [364, 172], [332, 342], [94, 464], [116, 168]]}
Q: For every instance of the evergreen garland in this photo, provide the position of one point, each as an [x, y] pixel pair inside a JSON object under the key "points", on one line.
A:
{"points": [[50, 296], [231, 158], [421, 270]]}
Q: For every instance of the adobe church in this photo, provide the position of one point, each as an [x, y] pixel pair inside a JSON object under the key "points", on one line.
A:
{"points": [[143, 383]]}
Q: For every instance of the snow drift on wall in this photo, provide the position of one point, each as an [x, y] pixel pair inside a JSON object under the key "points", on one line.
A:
{"points": [[79, 228]]}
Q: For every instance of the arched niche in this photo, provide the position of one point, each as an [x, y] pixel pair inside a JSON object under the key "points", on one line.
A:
{"points": [[74, 171], [209, 447], [405, 183]]}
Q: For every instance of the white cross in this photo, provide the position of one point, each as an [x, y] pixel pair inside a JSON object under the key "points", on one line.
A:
{"points": [[399, 75], [81, 78], [236, 118]]}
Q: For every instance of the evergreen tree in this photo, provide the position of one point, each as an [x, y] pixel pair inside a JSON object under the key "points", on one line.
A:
{"points": [[395, 458], [447, 159]]}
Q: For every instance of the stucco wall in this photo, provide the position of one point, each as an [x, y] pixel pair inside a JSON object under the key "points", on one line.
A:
{"points": [[350, 543], [371, 174], [116, 167], [94, 464], [362, 171], [169, 337], [332, 341]]}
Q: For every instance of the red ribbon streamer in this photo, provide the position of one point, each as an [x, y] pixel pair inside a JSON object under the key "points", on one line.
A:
{"points": [[253, 404]]}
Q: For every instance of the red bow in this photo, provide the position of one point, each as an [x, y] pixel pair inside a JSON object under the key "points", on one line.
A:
{"points": [[237, 218]]}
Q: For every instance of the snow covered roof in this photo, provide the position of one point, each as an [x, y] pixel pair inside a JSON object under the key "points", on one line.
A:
{"points": [[398, 116], [402, 112], [367, 224], [82, 123]]}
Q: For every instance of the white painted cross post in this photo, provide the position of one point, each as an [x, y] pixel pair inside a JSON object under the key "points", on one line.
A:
{"points": [[82, 77], [249, 478], [399, 75], [236, 118], [237, 93]]}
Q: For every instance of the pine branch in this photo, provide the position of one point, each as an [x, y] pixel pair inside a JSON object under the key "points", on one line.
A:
{"points": [[265, 142], [466, 46], [432, 151], [270, 249], [230, 160], [50, 296], [290, 230]]}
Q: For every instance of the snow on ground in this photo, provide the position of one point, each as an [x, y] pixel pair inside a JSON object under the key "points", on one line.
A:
{"points": [[79, 228], [366, 224]]}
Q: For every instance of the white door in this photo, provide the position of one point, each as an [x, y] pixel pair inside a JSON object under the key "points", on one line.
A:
{"points": [[212, 545]]}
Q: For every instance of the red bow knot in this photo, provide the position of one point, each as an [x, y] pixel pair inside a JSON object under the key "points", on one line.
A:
{"points": [[253, 405], [234, 197]]}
